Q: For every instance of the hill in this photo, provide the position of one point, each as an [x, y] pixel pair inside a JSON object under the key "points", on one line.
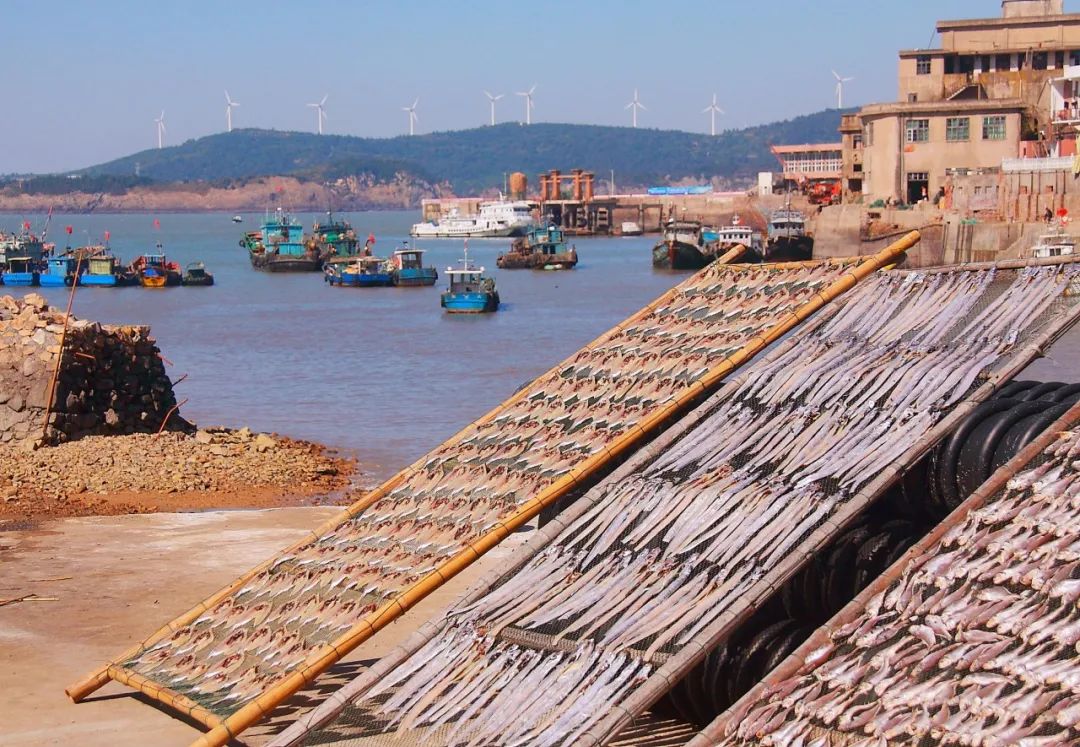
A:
{"points": [[471, 160]]}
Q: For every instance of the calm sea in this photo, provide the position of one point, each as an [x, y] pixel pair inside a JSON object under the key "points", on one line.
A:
{"points": [[381, 373]]}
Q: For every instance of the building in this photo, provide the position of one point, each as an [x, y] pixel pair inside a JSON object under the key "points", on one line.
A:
{"points": [[983, 96], [813, 169]]}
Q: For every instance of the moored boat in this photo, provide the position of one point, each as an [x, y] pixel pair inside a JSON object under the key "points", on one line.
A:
{"points": [[20, 271], [1053, 244], [542, 248], [238, 219], [358, 272], [469, 291], [195, 274], [720, 240], [335, 237], [105, 271], [630, 228], [787, 239], [682, 247], [497, 219], [156, 270], [279, 246], [407, 268], [61, 271]]}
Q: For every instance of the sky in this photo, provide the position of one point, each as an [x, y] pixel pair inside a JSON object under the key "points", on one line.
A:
{"points": [[86, 80]]}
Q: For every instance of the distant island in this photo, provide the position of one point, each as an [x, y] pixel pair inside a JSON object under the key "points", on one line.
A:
{"points": [[252, 169]]}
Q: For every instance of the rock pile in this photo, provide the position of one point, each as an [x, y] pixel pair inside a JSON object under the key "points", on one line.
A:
{"points": [[111, 378], [143, 469]]}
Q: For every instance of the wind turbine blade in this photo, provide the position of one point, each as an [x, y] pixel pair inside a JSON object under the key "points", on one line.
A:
{"points": [[498, 97], [315, 106], [417, 101], [532, 90], [706, 110], [227, 99], [720, 111], [836, 75], [324, 98], [629, 105], [489, 95], [641, 106]]}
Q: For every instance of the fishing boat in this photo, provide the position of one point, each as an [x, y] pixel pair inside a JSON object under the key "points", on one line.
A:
{"points": [[60, 271], [1054, 244], [720, 240], [279, 246], [105, 271], [23, 245], [335, 237], [20, 271], [682, 247], [497, 219], [787, 239], [156, 271], [469, 291], [407, 268], [195, 274], [357, 272], [542, 248]]}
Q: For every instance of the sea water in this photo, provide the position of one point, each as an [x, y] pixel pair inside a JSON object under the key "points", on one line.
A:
{"points": [[380, 373]]}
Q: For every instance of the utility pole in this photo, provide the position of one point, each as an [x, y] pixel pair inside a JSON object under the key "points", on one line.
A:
{"points": [[613, 182]]}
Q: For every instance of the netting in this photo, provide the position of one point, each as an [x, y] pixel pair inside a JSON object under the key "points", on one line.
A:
{"points": [[973, 642], [291, 611], [667, 553]]}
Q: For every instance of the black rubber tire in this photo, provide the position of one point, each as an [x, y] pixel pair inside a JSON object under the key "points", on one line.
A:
{"points": [[1013, 388], [1024, 432], [944, 489], [1040, 391]]}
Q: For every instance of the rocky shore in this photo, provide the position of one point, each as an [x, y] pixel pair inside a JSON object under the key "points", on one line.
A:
{"points": [[141, 473]]}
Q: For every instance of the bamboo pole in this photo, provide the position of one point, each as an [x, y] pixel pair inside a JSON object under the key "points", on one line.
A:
{"points": [[680, 663], [794, 663], [60, 354], [642, 431]]}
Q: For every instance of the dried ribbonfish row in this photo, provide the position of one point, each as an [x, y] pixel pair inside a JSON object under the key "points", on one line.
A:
{"points": [[688, 536]]}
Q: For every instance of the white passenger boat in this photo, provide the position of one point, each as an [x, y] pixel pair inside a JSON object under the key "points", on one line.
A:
{"points": [[494, 220], [1054, 244]]}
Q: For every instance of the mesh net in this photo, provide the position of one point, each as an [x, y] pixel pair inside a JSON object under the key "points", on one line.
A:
{"points": [[974, 641], [289, 612], [683, 543]]}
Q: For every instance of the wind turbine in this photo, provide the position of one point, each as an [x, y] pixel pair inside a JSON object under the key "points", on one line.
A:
{"points": [[160, 121], [320, 112], [493, 99], [840, 89], [713, 110], [635, 105], [528, 102], [229, 104], [412, 115]]}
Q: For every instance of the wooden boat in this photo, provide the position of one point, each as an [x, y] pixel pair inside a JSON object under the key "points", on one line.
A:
{"points": [[541, 248], [469, 291], [335, 238], [196, 274], [60, 271], [156, 271], [407, 268], [358, 272], [279, 246], [20, 271]]}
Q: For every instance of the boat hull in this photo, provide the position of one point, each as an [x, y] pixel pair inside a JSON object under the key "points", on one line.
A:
{"points": [[536, 261], [353, 280], [57, 281], [484, 233], [795, 249], [286, 263], [100, 281], [476, 302], [411, 277], [677, 255], [199, 282], [20, 279]]}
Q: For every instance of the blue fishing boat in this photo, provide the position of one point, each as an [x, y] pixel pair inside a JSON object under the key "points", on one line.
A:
{"points": [[335, 237], [60, 271], [358, 272], [541, 248], [407, 268], [469, 292], [20, 271], [104, 269], [280, 246]]}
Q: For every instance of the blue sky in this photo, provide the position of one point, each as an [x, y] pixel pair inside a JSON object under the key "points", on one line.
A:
{"points": [[85, 80]]}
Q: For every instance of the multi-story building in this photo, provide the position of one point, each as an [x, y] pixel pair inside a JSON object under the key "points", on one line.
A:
{"points": [[964, 106]]}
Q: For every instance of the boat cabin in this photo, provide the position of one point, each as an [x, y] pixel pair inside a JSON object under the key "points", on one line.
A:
{"points": [[100, 265], [471, 280], [409, 259], [787, 224], [1054, 245]]}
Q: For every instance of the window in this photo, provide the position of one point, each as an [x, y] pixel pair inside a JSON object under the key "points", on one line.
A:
{"points": [[957, 129], [1003, 63], [965, 63], [918, 130], [922, 64], [984, 63], [1038, 61], [1059, 60], [1074, 57], [994, 127]]}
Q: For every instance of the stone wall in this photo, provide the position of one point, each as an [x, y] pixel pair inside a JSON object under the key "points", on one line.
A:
{"points": [[111, 378]]}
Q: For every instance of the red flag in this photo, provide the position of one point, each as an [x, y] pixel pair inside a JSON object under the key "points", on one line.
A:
{"points": [[371, 238], [26, 225], [69, 229], [280, 188], [157, 223], [106, 235]]}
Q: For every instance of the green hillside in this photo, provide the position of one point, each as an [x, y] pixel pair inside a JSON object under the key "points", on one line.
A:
{"points": [[478, 158]]}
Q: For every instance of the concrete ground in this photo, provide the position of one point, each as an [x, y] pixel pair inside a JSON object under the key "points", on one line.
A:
{"points": [[110, 581]]}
